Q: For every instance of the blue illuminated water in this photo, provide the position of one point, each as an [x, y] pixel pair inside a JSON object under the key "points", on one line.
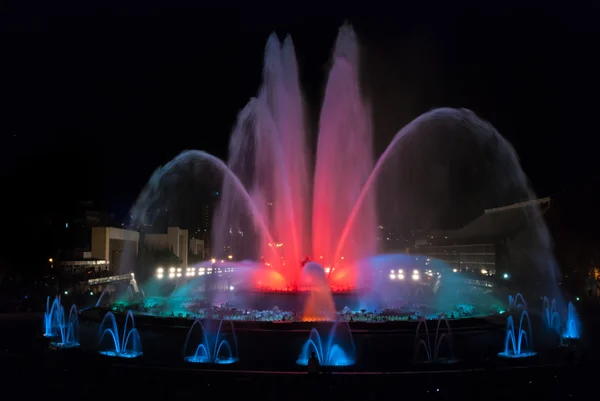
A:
{"points": [[516, 302], [518, 344], [432, 351], [129, 345], [572, 324], [68, 328], [51, 322], [209, 342], [551, 316], [337, 350], [63, 328]]}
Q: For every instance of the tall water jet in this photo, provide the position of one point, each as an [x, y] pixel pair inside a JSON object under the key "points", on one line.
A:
{"points": [[432, 350], [518, 343], [268, 153], [336, 350], [572, 324], [320, 305], [209, 342], [127, 345], [341, 174]]}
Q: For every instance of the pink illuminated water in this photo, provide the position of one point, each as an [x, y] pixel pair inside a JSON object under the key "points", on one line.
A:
{"points": [[282, 209], [269, 154]]}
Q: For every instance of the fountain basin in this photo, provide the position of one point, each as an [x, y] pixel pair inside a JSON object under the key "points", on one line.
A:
{"points": [[514, 355], [65, 345], [124, 354], [205, 359]]}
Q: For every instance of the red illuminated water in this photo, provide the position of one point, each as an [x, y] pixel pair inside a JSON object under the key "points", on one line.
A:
{"points": [[304, 204]]}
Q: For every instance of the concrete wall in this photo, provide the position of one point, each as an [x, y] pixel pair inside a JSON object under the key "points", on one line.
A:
{"points": [[178, 242], [156, 241], [110, 243], [175, 239], [197, 247]]}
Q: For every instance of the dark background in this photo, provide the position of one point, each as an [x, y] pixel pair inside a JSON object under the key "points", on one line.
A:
{"points": [[94, 98]]}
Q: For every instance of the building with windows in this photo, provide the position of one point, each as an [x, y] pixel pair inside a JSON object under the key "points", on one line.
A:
{"points": [[502, 240]]}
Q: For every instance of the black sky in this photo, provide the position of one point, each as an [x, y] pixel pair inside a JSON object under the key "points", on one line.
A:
{"points": [[94, 99]]}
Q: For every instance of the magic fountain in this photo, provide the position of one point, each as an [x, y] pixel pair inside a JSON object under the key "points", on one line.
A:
{"points": [[278, 205]]}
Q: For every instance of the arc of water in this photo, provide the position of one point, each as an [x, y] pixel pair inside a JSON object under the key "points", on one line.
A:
{"points": [[215, 350], [369, 183], [523, 333], [418, 340], [114, 331], [125, 336], [510, 336], [520, 296], [331, 337], [318, 346], [218, 163], [218, 352], [439, 337]]}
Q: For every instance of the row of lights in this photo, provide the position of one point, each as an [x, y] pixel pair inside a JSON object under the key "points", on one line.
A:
{"points": [[173, 272], [190, 271], [400, 275]]}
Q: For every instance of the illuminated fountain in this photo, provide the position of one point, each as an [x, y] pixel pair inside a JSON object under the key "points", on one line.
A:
{"points": [[65, 328], [572, 324], [278, 203], [68, 329], [129, 345], [517, 302], [207, 342], [513, 343], [551, 315], [432, 351], [337, 349], [51, 317]]}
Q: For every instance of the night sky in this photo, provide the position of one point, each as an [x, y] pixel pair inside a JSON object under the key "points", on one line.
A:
{"points": [[93, 100]]}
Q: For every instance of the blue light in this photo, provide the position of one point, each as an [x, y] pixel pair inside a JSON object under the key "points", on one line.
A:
{"points": [[66, 225], [505, 275]]}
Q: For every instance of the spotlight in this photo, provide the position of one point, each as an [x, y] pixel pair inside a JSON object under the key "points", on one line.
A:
{"points": [[171, 275], [400, 276], [160, 270], [159, 276], [392, 276], [172, 270]]}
